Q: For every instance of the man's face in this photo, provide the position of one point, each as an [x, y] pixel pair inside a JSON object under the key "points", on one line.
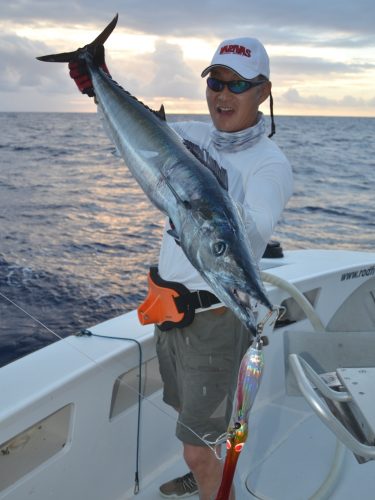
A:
{"points": [[233, 112]]}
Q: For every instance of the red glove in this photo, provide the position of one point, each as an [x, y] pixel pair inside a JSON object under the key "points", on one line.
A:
{"points": [[80, 74]]}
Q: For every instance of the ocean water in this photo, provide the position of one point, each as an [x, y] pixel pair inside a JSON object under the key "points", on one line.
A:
{"points": [[78, 234]]}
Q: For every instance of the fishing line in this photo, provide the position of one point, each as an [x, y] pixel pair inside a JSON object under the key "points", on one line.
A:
{"points": [[31, 316], [98, 365]]}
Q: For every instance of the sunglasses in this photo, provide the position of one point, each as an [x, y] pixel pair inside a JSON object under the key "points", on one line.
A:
{"points": [[235, 86]]}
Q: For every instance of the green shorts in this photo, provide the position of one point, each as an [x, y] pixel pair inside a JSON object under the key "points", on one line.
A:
{"points": [[199, 366]]}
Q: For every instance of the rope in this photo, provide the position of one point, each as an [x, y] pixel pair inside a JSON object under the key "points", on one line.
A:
{"points": [[88, 333]]}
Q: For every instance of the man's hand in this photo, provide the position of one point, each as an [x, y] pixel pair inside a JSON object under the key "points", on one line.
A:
{"points": [[79, 72]]}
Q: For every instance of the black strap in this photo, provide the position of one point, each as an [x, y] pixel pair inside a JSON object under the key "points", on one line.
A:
{"points": [[273, 125], [186, 302], [200, 299]]}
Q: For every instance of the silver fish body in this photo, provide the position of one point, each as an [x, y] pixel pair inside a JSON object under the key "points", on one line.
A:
{"points": [[207, 223]]}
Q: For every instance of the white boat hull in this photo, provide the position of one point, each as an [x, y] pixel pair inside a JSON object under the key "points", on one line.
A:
{"points": [[68, 429]]}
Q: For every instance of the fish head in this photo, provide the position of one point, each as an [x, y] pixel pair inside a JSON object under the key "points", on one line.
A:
{"points": [[215, 242]]}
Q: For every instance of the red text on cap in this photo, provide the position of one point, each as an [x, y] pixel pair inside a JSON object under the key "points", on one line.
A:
{"points": [[235, 49]]}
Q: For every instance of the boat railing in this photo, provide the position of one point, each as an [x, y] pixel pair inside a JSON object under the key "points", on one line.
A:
{"points": [[345, 361]]}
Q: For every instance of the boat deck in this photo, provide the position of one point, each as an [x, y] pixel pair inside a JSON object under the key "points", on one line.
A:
{"points": [[300, 454]]}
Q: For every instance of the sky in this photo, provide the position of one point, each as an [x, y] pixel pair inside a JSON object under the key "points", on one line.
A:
{"points": [[322, 53]]}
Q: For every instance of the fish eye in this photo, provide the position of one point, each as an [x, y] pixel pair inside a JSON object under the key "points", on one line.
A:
{"points": [[219, 248]]}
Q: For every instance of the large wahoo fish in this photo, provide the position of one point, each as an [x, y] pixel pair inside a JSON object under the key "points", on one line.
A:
{"points": [[174, 175]]}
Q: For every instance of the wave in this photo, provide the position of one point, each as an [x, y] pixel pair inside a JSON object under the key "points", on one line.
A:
{"points": [[62, 304]]}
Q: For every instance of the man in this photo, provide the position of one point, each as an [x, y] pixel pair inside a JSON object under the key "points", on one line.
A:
{"points": [[199, 362], [204, 370]]}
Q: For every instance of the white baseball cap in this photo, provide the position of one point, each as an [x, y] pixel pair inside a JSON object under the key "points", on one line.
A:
{"points": [[245, 56]]}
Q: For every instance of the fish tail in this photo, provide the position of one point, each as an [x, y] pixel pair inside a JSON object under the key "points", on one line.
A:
{"points": [[95, 48]]}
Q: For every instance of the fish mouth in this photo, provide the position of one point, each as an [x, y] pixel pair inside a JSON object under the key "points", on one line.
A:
{"points": [[243, 298], [243, 301], [249, 312]]}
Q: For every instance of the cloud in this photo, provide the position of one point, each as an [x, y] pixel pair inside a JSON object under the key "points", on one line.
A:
{"points": [[277, 20], [300, 66], [171, 76], [160, 74], [309, 42], [292, 96], [28, 84], [19, 66]]}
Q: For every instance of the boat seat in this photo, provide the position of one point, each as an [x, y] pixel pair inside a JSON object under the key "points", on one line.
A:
{"points": [[335, 373]]}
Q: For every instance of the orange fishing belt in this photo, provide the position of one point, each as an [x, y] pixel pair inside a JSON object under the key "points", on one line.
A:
{"points": [[170, 304]]}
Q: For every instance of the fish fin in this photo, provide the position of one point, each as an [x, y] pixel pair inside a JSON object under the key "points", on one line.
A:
{"points": [[174, 235], [66, 57], [161, 113], [62, 57], [172, 232], [100, 39], [206, 159], [185, 203]]}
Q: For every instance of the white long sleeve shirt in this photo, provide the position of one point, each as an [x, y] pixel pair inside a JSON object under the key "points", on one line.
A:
{"points": [[260, 181]]}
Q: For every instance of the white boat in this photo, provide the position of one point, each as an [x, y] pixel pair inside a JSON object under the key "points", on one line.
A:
{"points": [[69, 422]]}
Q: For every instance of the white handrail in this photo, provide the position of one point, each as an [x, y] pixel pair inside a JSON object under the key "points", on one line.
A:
{"points": [[323, 412], [297, 296]]}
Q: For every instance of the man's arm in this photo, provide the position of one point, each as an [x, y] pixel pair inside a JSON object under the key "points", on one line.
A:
{"points": [[266, 195]]}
